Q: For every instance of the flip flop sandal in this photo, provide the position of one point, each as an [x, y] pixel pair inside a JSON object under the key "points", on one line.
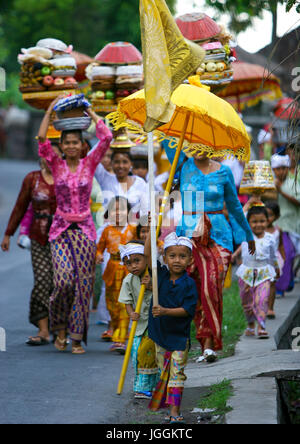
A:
{"points": [[60, 344], [263, 334], [271, 315], [176, 420], [168, 418], [250, 332], [210, 356], [107, 336], [40, 342], [78, 351]]}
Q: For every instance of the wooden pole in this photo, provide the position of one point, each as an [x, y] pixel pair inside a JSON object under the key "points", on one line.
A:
{"points": [[153, 219], [159, 224]]}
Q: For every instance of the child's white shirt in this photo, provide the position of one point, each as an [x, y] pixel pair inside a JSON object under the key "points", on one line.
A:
{"points": [[260, 267]]}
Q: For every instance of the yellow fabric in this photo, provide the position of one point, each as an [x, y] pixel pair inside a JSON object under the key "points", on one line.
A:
{"points": [[195, 80], [168, 60], [95, 207], [228, 280], [214, 126], [147, 357]]}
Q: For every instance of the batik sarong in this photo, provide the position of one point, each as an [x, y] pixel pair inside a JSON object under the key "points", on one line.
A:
{"points": [[146, 372], [255, 301], [169, 390], [73, 256], [211, 264], [43, 282], [119, 317]]}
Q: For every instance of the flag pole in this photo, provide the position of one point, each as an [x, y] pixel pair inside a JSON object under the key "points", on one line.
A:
{"points": [[154, 237], [142, 291]]}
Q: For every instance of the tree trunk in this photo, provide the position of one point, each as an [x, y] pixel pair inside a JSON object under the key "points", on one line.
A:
{"points": [[274, 12]]}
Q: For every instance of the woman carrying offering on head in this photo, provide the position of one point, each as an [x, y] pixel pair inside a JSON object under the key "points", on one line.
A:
{"points": [[73, 233]]}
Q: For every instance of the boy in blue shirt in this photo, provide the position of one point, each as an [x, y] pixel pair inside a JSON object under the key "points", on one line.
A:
{"points": [[170, 322]]}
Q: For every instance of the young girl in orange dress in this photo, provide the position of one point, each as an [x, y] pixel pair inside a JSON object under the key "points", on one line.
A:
{"points": [[118, 232]]}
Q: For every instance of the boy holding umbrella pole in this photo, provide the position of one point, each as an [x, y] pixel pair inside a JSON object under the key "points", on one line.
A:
{"points": [[170, 322]]}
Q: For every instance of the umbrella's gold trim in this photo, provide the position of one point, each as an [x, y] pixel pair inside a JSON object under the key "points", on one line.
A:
{"points": [[120, 120]]}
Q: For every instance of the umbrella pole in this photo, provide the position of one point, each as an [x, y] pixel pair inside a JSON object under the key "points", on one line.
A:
{"points": [[161, 213], [154, 265]]}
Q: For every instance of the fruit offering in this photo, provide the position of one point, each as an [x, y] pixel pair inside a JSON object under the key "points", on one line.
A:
{"points": [[116, 73], [45, 68], [216, 70]]}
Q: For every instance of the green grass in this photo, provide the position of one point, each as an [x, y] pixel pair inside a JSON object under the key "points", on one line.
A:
{"points": [[234, 324], [234, 321], [217, 398]]}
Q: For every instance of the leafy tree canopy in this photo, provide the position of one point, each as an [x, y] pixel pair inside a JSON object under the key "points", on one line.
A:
{"points": [[243, 12], [291, 3]]}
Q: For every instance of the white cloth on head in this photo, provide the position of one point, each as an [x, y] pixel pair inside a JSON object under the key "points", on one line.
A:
{"points": [[173, 240], [264, 137], [129, 249], [278, 161]]}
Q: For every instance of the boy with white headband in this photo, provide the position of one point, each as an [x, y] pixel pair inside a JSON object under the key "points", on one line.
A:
{"points": [[170, 322], [143, 349]]}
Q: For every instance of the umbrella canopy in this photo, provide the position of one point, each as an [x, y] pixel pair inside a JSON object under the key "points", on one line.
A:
{"points": [[82, 61], [197, 27], [251, 84], [212, 126], [119, 53], [287, 109]]}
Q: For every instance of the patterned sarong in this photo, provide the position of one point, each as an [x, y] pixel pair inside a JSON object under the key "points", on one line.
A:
{"points": [[146, 373], [210, 270], [73, 256], [119, 318], [43, 282], [169, 389], [255, 301]]}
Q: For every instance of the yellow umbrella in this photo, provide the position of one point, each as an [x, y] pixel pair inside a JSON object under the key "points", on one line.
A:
{"points": [[211, 124], [203, 123]]}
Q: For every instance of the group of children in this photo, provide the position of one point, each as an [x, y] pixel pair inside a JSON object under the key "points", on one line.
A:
{"points": [[162, 340]]}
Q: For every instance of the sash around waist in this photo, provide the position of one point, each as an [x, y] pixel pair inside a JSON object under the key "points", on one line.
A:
{"points": [[73, 217], [195, 213]]}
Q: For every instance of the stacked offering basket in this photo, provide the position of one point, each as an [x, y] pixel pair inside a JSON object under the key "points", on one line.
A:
{"points": [[47, 70], [71, 114], [116, 73], [258, 178], [216, 69]]}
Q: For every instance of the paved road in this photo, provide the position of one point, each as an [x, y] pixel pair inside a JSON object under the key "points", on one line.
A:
{"points": [[40, 385]]}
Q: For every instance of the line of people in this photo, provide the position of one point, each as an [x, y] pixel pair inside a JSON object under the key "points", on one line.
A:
{"points": [[193, 262]]}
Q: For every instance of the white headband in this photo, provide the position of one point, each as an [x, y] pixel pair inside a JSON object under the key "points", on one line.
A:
{"points": [[278, 161], [129, 249], [173, 240]]}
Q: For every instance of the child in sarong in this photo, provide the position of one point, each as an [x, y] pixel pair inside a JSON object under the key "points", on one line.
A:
{"points": [[118, 232], [146, 373], [257, 272], [170, 322]]}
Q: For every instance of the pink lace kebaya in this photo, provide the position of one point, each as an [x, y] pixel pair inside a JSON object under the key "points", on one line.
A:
{"points": [[73, 190]]}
